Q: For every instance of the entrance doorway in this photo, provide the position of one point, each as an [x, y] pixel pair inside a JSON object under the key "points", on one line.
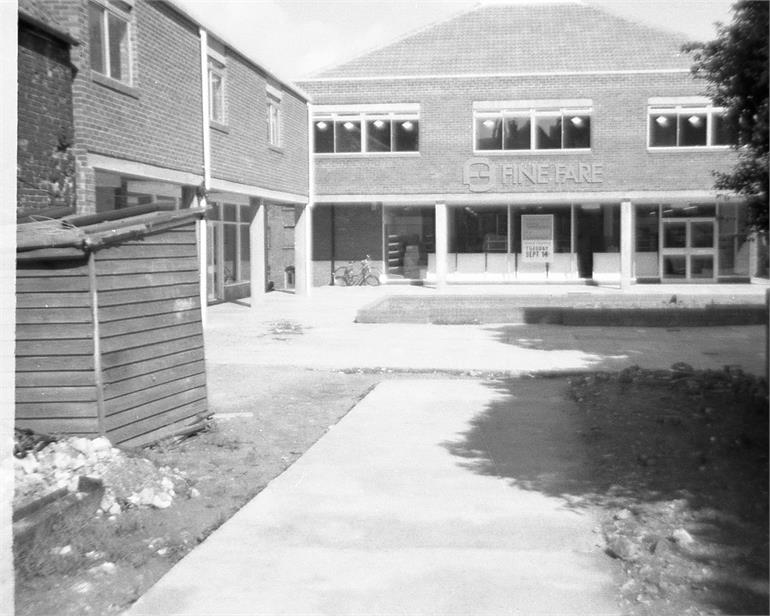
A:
{"points": [[688, 249]]}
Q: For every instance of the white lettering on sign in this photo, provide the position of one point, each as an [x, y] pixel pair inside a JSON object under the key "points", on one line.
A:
{"points": [[482, 174]]}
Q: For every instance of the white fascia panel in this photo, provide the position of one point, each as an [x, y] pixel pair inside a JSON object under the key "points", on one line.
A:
{"points": [[367, 108]]}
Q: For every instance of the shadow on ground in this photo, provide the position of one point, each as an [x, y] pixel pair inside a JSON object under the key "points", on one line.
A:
{"points": [[671, 456]]}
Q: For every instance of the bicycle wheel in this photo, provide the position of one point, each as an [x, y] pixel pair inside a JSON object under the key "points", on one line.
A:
{"points": [[372, 279], [341, 276]]}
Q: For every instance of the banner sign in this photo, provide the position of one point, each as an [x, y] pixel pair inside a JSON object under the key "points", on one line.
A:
{"points": [[537, 238]]}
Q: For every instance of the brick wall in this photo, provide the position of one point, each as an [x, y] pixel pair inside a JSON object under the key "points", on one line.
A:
{"points": [[618, 133], [157, 119], [354, 230], [240, 152], [45, 130]]}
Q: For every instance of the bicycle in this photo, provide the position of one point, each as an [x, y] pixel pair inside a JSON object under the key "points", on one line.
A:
{"points": [[356, 274]]}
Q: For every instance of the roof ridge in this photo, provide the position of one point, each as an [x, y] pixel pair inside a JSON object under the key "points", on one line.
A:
{"points": [[379, 46]]}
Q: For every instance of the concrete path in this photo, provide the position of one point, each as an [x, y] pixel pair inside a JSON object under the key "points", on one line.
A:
{"points": [[402, 508]]}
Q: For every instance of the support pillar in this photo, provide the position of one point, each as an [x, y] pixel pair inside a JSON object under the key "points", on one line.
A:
{"points": [[441, 245], [626, 244], [258, 254], [303, 250]]}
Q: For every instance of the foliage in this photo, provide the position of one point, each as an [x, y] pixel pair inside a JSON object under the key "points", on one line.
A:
{"points": [[735, 65]]}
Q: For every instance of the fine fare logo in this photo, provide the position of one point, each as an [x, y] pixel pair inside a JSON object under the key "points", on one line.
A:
{"points": [[482, 174]]}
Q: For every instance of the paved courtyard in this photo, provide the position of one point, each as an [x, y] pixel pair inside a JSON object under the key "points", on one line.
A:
{"points": [[390, 512]]}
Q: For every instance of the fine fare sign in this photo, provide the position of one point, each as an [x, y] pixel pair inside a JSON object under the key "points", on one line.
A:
{"points": [[483, 174], [537, 238]]}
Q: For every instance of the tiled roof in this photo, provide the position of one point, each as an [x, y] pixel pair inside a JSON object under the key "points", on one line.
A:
{"points": [[522, 38]]}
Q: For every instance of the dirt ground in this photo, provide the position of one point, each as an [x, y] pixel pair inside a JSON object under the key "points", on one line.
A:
{"points": [[679, 469], [678, 472]]}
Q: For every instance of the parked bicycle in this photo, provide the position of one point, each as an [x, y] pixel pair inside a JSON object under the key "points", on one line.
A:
{"points": [[356, 274]]}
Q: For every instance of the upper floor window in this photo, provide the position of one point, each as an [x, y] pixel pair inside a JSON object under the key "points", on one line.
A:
{"points": [[372, 129], [109, 25], [273, 116], [686, 122], [532, 125], [217, 73]]}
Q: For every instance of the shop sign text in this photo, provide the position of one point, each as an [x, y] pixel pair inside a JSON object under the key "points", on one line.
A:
{"points": [[483, 174], [537, 238]]}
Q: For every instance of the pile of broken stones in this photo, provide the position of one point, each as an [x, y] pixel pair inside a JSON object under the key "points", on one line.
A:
{"points": [[47, 465]]}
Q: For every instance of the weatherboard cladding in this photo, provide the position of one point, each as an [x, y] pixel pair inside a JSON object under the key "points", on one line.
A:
{"points": [[146, 376], [521, 39]]}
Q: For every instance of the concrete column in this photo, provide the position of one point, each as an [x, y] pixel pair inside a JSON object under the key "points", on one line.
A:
{"points": [[441, 245], [626, 243], [258, 254], [303, 251]]}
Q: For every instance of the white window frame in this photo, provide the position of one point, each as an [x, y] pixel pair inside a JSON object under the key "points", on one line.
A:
{"points": [[110, 8], [682, 106], [216, 67], [532, 110], [274, 135], [365, 114]]}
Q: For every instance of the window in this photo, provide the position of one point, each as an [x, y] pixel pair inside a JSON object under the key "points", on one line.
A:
{"points": [[521, 126], [689, 124], [217, 91], [372, 131], [273, 122], [109, 39]]}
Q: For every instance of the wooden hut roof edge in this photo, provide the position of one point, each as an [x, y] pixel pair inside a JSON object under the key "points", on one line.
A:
{"points": [[39, 238]]}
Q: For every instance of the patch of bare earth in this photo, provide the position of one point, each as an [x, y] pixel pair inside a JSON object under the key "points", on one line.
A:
{"points": [[96, 563], [679, 468]]}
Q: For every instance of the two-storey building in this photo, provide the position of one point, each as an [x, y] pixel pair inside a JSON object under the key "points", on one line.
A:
{"points": [[165, 111], [549, 142]]}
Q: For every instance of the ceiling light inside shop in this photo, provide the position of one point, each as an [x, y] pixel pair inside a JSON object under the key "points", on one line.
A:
{"points": [[695, 120], [661, 121], [379, 123], [322, 125], [489, 123], [349, 125], [577, 121], [407, 125]]}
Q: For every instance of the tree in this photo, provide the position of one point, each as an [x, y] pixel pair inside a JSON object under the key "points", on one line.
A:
{"points": [[735, 65]]}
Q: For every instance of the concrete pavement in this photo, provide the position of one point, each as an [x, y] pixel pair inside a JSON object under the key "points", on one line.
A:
{"points": [[391, 513], [432, 496], [320, 332]]}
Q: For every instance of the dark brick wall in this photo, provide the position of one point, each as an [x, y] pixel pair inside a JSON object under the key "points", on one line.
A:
{"points": [[45, 129], [619, 126]]}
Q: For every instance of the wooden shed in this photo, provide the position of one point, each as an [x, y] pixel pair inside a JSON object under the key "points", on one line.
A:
{"points": [[109, 338]]}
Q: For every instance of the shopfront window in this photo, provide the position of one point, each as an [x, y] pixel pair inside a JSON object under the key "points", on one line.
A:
{"points": [[562, 226], [409, 241], [476, 229], [647, 227]]}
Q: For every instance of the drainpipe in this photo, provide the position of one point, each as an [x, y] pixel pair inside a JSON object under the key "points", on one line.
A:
{"points": [[203, 200]]}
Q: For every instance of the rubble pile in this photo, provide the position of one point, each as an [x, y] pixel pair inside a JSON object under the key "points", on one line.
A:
{"points": [[128, 481]]}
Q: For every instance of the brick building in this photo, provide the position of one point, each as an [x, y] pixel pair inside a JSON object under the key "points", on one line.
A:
{"points": [[165, 111], [45, 163], [524, 143]]}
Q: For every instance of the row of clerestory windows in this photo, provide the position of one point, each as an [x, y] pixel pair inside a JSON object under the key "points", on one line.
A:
{"points": [[519, 126]]}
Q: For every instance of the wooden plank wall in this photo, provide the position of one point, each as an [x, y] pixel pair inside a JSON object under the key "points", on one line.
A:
{"points": [[153, 367], [55, 381]]}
